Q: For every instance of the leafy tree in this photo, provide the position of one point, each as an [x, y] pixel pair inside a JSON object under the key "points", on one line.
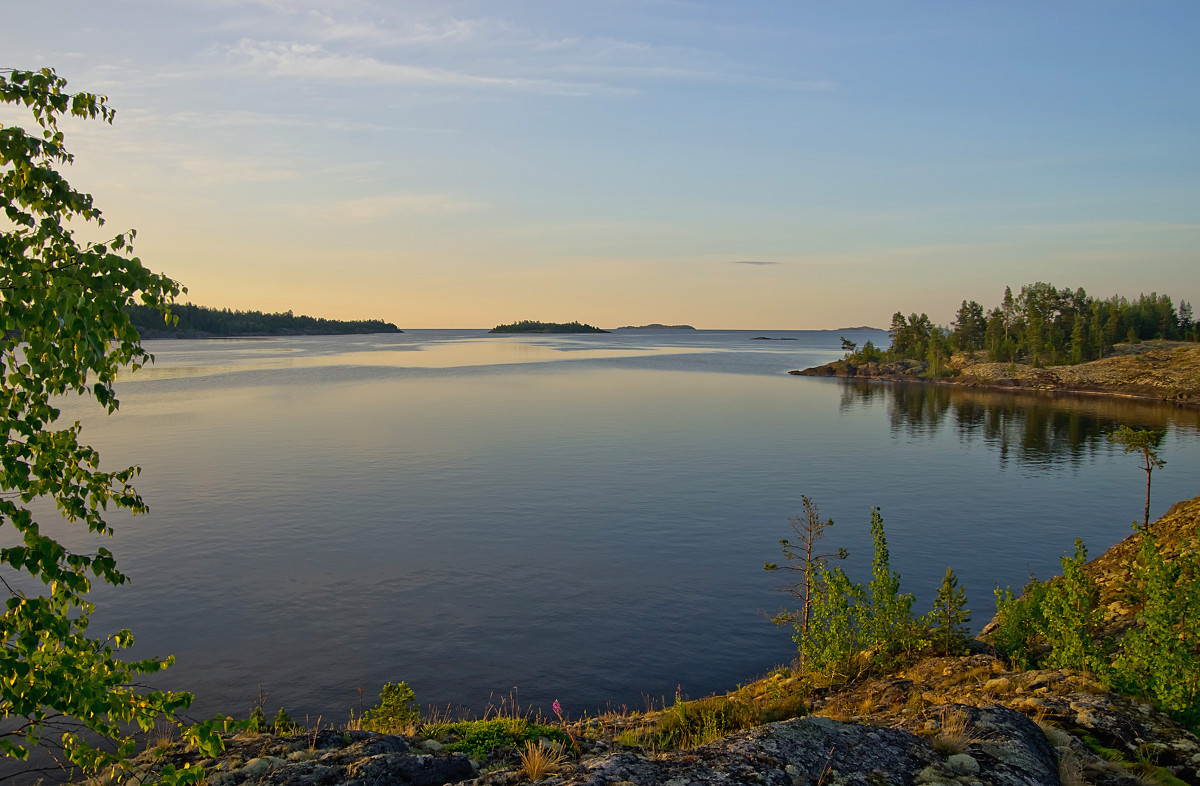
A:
{"points": [[949, 614], [1072, 617], [1161, 656], [65, 332], [1146, 442]]}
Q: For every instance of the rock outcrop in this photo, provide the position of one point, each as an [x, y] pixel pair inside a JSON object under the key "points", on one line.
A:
{"points": [[1158, 370]]}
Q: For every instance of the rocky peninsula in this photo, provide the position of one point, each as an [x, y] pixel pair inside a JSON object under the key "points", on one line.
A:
{"points": [[970, 719], [1157, 370]]}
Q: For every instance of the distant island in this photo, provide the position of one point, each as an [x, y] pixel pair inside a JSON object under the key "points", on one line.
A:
{"points": [[203, 322], [657, 326], [530, 326]]}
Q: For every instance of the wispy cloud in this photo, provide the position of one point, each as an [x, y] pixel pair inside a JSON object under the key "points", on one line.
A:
{"points": [[214, 171], [378, 208], [751, 262], [312, 61]]}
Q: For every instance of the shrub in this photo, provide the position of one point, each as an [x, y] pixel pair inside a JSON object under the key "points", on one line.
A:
{"points": [[479, 738], [1161, 657], [1017, 621], [844, 618], [397, 712], [283, 724], [1071, 618]]}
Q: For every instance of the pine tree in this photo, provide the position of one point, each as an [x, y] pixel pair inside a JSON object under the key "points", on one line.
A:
{"points": [[948, 615]]}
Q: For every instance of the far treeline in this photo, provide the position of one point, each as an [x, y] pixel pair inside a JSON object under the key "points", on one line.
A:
{"points": [[532, 326], [1041, 326], [201, 322]]}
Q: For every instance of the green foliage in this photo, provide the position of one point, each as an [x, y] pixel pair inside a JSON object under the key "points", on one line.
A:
{"points": [[1146, 442], [1062, 615], [531, 326], [397, 712], [65, 331], [1017, 622], [1040, 325], [868, 354], [283, 724], [687, 724], [887, 624], [1158, 658], [479, 738], [843, 618], [948, 616], [189, 320], [1161, 657], [1071, 618]]}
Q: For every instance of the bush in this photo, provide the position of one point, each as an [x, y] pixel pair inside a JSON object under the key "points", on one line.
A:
{"points": [[478, 739], [1161, 657], [845, 619], [397, 712], [1018, 619]]}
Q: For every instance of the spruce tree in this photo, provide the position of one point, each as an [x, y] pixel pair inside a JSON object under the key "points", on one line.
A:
{"points": [[948, 615]]}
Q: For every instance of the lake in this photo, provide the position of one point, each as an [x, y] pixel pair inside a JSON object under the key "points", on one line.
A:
{"points": [[580, 517]]}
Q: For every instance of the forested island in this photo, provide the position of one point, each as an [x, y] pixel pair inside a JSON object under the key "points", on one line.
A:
{"points": [[531, 326], [203, 322], [1045, 339]]}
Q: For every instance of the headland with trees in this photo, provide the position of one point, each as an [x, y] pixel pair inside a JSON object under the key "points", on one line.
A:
{"points": [[190, 321], [1043, 338]]}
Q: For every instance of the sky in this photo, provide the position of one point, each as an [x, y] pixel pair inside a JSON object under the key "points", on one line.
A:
{"points": [[752, 164]]}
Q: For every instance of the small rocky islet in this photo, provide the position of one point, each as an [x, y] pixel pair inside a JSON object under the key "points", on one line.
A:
{"points": [[970, 719]]}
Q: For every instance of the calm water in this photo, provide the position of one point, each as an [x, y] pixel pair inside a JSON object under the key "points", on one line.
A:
{"points": [[579, 517]]}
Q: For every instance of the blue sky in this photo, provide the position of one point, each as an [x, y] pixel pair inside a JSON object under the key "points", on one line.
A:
{"points": [[728, 165]]}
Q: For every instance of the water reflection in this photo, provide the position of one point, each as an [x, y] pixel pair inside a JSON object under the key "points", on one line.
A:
{"points": [[1027, 427]]}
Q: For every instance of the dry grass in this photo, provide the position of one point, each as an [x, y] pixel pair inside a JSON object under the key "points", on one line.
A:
{"points": [[1057, 737], [162, 736], [1070, 769], [952, 737], [539, 760]]}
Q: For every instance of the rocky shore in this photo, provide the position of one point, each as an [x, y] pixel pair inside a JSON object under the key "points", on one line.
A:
{"points": [[973, 719], [1156, 370]]}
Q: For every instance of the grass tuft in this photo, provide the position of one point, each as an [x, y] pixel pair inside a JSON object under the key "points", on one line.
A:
{"points": [[539, 760], [952, 737]]}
